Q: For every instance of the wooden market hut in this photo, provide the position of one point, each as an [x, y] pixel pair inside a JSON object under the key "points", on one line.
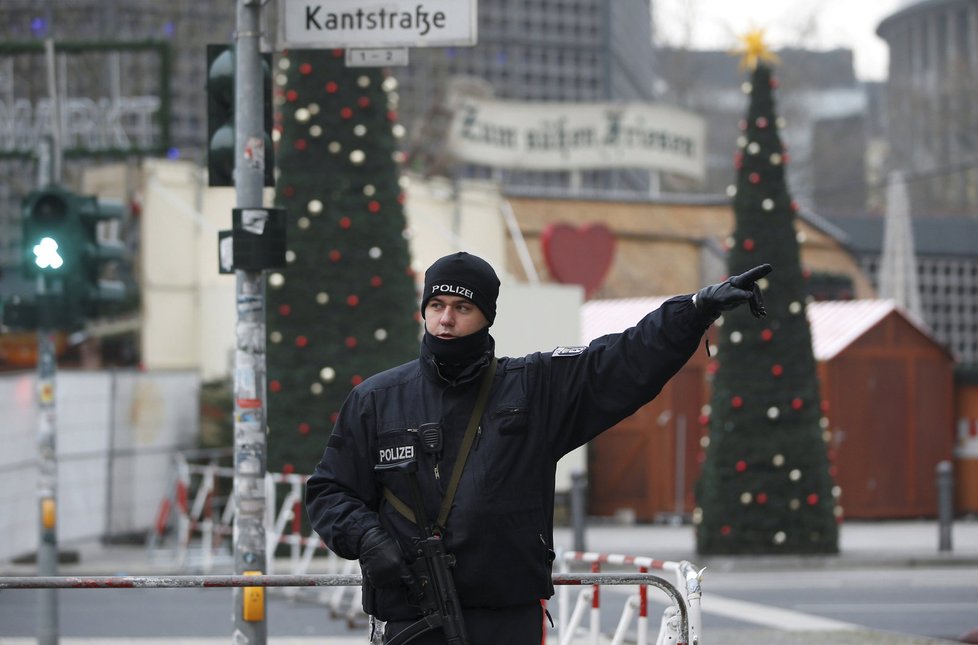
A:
{"points": [[888, 389]]}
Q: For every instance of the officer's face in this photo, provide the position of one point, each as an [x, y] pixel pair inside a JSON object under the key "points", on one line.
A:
{"points": [[452, 317]]}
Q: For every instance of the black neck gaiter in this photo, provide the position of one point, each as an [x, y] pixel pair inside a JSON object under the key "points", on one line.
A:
{"points": [[455, 355]]}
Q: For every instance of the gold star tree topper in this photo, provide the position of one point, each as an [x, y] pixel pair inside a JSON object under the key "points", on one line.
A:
{"points": [[753, 50]]}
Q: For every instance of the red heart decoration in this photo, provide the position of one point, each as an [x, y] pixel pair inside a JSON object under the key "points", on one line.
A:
{"points": [[578, 255]]}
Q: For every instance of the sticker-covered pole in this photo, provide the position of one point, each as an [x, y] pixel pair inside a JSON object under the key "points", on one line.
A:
{"points": [[47, 480], [250, 624]]}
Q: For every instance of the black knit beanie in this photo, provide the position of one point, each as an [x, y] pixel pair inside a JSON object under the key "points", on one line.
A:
{"points": [[465, 275]]}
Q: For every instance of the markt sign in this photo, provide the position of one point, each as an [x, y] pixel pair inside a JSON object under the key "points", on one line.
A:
{"points": [[327, 24]]}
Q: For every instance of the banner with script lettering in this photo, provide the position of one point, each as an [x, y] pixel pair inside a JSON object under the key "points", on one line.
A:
{"points": [[576, 136]]}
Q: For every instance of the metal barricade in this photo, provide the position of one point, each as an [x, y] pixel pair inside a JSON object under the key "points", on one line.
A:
{"points": [[687, 578], [328, 580]]}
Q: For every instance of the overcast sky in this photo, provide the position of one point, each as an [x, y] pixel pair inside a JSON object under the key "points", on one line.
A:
{"points": [[813, 24]]}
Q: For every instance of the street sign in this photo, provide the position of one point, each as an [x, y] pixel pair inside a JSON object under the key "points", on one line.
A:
{"points": [[328, 24], [376, 57]]}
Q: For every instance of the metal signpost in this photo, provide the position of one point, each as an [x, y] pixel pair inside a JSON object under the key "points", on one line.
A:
{"points": [[250, 452], [49, 170], [47, 480]]}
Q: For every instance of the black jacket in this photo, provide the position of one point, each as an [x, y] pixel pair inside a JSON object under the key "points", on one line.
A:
{"points": [[541, 407]]}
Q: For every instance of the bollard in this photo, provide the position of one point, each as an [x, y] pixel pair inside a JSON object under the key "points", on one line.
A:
{"points": [[577, 508], [945, 504]]}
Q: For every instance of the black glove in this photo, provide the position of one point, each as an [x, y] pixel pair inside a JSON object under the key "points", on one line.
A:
{"points": [[734, 292], [381, 559]]}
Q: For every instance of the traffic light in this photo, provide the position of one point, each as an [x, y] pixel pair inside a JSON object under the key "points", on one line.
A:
{"points": [[95, 254], [220, 116], [61, 241], [49, 233]]}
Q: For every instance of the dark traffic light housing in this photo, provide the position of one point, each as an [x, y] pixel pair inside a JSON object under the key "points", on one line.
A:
{"points": [[62, 245], [96, 253], [220, 116]]}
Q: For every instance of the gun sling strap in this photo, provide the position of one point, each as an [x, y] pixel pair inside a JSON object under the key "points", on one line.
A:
{"points": [[463, 454]]}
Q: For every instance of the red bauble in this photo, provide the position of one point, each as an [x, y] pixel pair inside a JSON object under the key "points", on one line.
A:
{"points": [[401, 198], [335, 256], [356, 380], [767, 335], [737, 402], [376, 281], [350, 342], [300, 144], [288, 469], [274, 386], [331, 87], [777, 370], [748, 244], [346, 113], [754, 178], [305, 69], [704, 419], [812, 499], [333, 416], [352, 300], [345, 222], [794, 206], [291, 96], [796, 403], [288, 191], [301, 341], [338, 53], [363, 101], [391, 116], [824, 405], [284, 310], [373, 206], [761, 498], [304, 428], [741, 466], [775, 83], [713, 366], [725, 529], [761, 122]]}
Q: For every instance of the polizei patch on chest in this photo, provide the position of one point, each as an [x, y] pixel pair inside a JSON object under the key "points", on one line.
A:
{"points": [[395, 454], [569, 351]]}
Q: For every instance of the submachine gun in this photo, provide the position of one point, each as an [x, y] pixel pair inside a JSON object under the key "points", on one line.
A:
{"points": [[434, 588]]}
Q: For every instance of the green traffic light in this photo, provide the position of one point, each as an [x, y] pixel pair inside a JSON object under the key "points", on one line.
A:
{"points": [[46, 254]]}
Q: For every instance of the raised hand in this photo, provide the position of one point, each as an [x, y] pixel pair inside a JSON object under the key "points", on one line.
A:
{"points": [[734, 292]]}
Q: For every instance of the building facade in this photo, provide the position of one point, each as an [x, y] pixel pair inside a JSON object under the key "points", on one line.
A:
{"points": [[947, 274], [827, 122], [183, 27], [573, 51], [931, 103]]}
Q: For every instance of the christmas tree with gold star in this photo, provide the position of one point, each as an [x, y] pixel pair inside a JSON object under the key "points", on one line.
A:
{"points": [[345, 307], [766, 484]]}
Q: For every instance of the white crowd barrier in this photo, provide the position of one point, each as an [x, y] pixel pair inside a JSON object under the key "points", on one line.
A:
{"points": [[194, 528], [688, 582]]}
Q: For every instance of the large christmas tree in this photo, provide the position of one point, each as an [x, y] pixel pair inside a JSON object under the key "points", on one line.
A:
{"points": [[766, 484], [346, 306]]}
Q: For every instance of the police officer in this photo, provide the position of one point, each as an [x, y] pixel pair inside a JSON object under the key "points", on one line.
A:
{"points": [[499, 521]]}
